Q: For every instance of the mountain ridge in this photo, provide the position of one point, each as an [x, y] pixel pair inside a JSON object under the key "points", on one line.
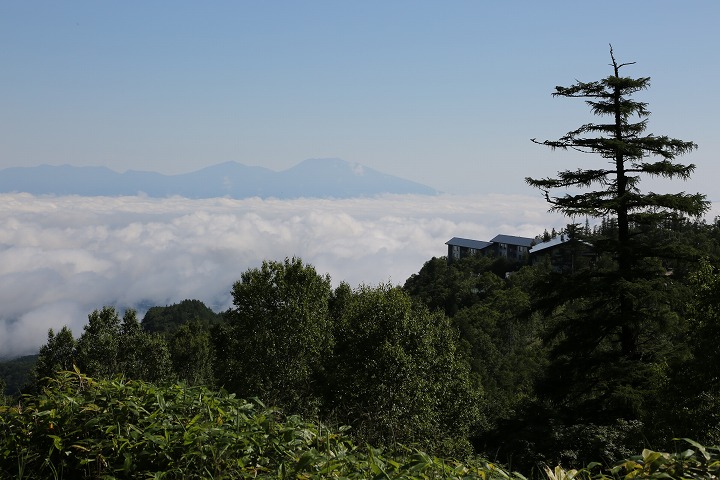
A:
{"points": [[315, 177]]}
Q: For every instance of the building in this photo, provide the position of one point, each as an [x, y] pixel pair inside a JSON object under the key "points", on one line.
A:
{"points": [[513, 248], [564, 253], [463, 247], [508, 246]]}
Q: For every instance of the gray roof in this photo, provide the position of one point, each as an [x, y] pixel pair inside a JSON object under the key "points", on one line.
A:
{"points": [[467, 243], [511, 240], [560, 239]]}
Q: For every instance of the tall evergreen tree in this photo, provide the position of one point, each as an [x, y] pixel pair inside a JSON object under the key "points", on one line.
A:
{"points": [[608, 317]]}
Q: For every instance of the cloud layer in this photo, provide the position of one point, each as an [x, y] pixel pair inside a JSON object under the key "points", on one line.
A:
{"points": [[62, 257]]}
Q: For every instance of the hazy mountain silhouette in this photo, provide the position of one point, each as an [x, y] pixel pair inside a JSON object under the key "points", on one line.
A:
{"points": [[326, 178]]}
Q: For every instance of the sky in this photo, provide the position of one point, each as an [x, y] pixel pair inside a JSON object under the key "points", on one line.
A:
{"points": [[445, 93]]}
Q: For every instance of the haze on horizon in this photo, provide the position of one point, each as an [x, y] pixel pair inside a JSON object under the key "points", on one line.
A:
{"points": [[446, 94]]}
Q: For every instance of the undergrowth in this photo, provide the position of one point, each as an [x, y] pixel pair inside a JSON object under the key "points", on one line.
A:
{"points": [[82, 428], [79, 427]]}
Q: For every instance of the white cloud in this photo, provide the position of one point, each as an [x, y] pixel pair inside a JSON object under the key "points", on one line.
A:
{"points": [[62, 257]]}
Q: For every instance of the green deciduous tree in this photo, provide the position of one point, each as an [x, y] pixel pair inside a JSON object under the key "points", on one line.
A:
{"points": [[110, 346], [691, 401], [168, 319], [505, 348], [56, 355], [99, 345], [17, 373], [456, 285], [192, 354], [279, 336], [142, 355], [186, 326], [398, 374]]}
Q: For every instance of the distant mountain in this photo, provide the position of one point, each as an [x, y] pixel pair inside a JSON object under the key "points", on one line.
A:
{"points": [[326, 178]]}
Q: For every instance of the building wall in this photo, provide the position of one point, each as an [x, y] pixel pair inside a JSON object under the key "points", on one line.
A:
{"points": [[456, 252]]}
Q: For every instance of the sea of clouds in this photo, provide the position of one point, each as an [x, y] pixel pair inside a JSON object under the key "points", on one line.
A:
{"points": [[62, 257]]}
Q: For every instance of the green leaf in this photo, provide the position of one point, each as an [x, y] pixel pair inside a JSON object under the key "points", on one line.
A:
{"points": [[57, 442]]}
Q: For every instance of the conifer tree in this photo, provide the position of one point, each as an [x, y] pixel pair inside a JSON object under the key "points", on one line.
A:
{"points": [[609, 312]]}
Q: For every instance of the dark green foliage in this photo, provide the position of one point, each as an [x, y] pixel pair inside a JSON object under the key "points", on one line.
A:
{"points": [[552, 393], [107, 347], [78, 427], [16, 374], [690, 401], [493, 317], [398, 375], [279, 336], [168, 319], [339, 299], [98, 347], [460, 284], [505, 347], [83, 428], [611, 326], [617, 195], [192, 353], [57, 354], [187, 327], [141, 355], [688, 460], [588, 369], [524, 383]]}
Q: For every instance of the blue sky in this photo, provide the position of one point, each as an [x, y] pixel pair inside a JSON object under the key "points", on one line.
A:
{"points": [[446, 93]]}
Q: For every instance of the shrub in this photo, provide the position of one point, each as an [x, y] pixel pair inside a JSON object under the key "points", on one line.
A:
{"points": [[79, 427]]}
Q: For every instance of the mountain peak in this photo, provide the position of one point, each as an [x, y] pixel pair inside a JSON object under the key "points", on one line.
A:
{"points": [[337, 164], [314, 177]]}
